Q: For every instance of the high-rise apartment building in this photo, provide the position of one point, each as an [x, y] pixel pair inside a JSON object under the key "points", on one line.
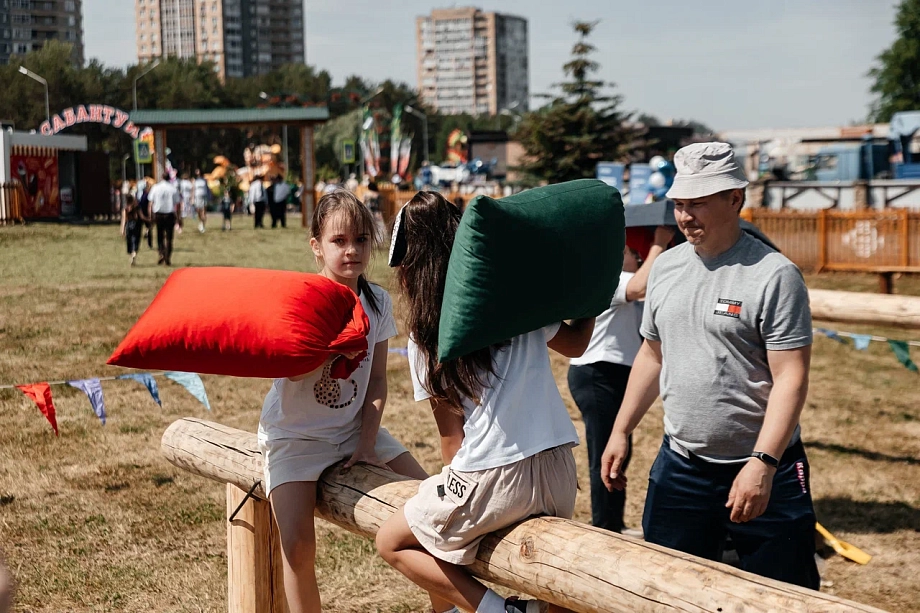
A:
{"points": [[25, 25], [472, 62], [242, 37]]}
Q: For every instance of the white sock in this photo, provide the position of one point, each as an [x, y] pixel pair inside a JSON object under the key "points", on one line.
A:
{"points": [[491, 603]]}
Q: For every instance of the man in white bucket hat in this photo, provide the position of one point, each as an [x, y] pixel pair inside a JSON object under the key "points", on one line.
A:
{"points": [[727, 331]]}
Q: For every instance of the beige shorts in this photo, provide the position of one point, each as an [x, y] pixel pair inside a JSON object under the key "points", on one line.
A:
{"points": [[298, 459], [454, 511]]}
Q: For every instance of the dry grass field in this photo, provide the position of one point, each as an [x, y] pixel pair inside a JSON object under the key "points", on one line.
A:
{"points": [[95, 520]]}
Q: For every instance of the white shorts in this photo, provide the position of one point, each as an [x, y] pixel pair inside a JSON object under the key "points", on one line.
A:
{"points": [[297, 459], [454, 511]]}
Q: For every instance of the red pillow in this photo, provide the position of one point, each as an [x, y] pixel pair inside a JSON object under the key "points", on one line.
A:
{"points": [[247, 322]]}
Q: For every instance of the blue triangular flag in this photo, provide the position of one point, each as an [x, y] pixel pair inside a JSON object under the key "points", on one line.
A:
{"points": [[861, 341], [147, 380], [192, 383], [93, 390], [832, 335]]}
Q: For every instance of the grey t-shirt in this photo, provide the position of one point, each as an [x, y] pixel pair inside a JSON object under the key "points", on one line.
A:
{"points": [[715, 320]]}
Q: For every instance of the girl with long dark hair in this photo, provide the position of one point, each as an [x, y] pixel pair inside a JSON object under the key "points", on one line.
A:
{"points": [[506, 436]]}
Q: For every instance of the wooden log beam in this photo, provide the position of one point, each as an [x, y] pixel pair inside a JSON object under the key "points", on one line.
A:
{"points": [[865, 308], [561, 561]]}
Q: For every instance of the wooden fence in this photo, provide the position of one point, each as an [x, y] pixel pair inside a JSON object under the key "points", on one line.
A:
{"points": [[10, 204], [879, 241]]}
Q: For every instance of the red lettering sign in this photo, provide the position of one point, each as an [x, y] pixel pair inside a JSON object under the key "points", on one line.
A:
{"points": [[82, 116], [95, 113], [70, 117]]}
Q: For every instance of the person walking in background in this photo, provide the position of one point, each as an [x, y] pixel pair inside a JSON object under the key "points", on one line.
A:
{"points": [[164, 202], [258, 200], [280, 191], [186, 191], [598, 378], [728, 336], [143, 201], [202, 197], [226, 208], [133, 219], [372, 202]]}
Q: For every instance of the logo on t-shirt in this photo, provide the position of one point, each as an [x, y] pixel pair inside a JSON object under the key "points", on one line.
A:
{"points": [[728, 308]]}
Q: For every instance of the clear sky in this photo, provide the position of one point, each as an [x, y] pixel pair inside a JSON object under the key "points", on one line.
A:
{"points": [[728, 63]]}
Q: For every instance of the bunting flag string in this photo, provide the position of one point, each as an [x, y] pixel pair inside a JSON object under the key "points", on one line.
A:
{"points": [[901, 349], [40, 393], [93, 390], [147, 380], [192, 383]]}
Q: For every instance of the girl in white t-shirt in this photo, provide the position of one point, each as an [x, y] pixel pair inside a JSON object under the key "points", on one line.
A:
{"points": [[506, 436], [312, 421]]}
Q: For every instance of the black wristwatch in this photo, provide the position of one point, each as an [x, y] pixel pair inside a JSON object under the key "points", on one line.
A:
{"points": [[766, 458]]}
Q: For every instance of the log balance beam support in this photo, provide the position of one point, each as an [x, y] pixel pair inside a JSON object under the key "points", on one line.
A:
{"points": [[865, 308], [561, 561]]}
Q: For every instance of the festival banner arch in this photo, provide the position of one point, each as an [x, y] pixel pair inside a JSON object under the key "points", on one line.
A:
{"points": [[90, 113]]}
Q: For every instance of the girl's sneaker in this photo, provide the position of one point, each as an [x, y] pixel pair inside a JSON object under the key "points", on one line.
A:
{"points": [[516, 605]]}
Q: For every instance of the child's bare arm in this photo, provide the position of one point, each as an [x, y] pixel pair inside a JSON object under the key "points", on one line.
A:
{"points": [[572, 338], [450, 425]]}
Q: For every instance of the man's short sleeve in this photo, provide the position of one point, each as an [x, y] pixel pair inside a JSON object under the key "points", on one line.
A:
{"points": [[648, 329], [785, 321]]}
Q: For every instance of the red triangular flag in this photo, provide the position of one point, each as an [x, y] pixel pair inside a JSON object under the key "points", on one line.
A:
{"points": [[40, 393]]}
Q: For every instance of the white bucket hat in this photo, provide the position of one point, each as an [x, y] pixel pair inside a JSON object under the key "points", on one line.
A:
{"points": [[704, 169]]}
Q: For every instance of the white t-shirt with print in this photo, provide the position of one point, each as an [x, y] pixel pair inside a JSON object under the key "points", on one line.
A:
{"points": [[521, 413], [319, 407], [616, 337]]}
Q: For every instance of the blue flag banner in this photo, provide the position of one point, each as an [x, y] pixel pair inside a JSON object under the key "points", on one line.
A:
{"points": [[192, 383], [832, 335], [147, 380], [861, 341], [93, 390]]}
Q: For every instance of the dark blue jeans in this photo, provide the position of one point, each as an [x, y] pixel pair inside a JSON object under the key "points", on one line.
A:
{"points": [[598, 391], [685, 510]]}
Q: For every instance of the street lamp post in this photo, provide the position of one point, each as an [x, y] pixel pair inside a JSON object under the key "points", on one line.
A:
{"points": [[155, 63], [424, 117], [124, 171], [32, 75]]}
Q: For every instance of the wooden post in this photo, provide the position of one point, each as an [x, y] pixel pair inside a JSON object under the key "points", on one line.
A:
{"points": [[885, 283], [307, 197], [822, 240], [254, 582], [585, 569], [159, 146]]}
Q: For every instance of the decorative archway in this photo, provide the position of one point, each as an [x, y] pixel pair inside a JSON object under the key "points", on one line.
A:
{"points": [[90, 113]]}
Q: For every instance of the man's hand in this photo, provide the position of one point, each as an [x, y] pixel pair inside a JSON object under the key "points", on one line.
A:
{"points": [[750, 492], [614, 454], [365, 454]]}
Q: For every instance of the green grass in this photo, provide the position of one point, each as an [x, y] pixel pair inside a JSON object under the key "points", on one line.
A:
{"points": [[97, 520]]}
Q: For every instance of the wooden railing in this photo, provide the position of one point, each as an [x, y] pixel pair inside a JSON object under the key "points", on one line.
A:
{"points": [[880, 241], [10, 204]]}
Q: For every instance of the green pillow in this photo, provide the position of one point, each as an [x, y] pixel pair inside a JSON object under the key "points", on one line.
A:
{"points": [[529, 260]]}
